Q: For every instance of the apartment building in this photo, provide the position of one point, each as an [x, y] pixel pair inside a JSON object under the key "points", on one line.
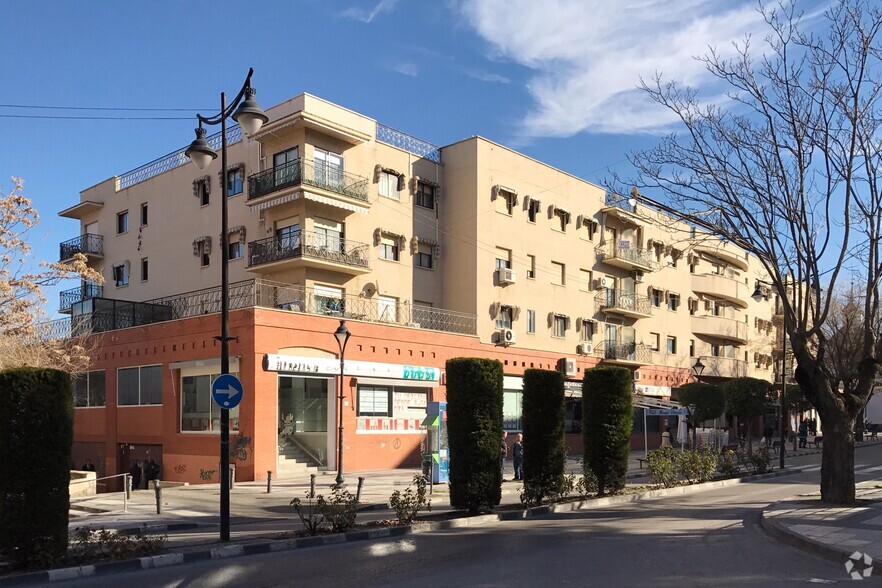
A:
{"points": [[428, 253]]}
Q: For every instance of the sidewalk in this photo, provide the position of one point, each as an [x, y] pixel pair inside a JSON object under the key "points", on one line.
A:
{"points": [[833, 532]]}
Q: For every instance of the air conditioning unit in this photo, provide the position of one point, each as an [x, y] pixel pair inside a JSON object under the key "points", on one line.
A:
{"points": [[604, 282], [638, 276], [505, 337], [568, 366], [583, 349], [505, 275]]}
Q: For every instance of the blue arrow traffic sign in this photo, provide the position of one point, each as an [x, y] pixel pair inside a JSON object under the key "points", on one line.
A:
{"points": [[227, 391]]}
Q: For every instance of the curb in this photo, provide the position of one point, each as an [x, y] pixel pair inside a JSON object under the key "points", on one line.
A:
{"points": [[260, 547], [783, 534]]}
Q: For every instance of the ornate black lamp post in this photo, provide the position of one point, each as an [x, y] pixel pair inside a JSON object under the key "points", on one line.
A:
{"points": [[250, 118], [697, 369], [342, 335]]}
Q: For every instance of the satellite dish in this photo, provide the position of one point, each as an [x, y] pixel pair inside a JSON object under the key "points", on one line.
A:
{"points": [[368, 290]]}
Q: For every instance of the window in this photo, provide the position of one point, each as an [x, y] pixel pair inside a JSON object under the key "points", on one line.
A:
{"points": [[89, 389], [531, 266], [656, 297], [234, 182], [691, 347], [389, 185], [531, 321], [198, 411], [511, 410], [425, 195], [425, 256], [563, 219], [235, 249], [558, 273], [673, 301], [122, 222], [717, 309], [328, 169], [587, 331], [505, 202], [145, 269], [504, 318], [559, 326], [715, 350], [585, 280], [139, 386], [328, 301], [374, 401], [387, 309], [144, 215], [533, 210], [328, 234], [204, 254], [586, 227], [654, 341], [201, 189], [672, 345], [389, 248], [121, 275], [503, 258]]}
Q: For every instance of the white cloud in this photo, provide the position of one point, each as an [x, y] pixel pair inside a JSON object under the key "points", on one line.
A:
{"points": [[588, 57], [369, 15], [486, 76], [406, 69]]}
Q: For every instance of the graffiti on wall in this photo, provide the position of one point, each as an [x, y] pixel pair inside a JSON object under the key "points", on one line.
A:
{"points": [[181, 468], [239, 451], [206, 474]]}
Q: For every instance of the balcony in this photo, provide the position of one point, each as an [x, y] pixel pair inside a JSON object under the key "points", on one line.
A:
{"points": [[623, 254], [724, 251], [629, 304], [723, 367], [309, 249], [68, 298], [618, 353], [88, 244], [720, 327], [729, 289], [305, 172]]}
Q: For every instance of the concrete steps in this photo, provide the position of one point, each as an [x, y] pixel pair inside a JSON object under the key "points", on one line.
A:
{"points": [[294, 462]]}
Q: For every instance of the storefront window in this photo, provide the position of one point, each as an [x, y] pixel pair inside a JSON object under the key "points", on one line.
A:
{"points": [[198, 410], [511, 410], [374, 401], [303, 404]]}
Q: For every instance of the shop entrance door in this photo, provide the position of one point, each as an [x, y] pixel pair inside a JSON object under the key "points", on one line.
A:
{"points": [[303, 421]]}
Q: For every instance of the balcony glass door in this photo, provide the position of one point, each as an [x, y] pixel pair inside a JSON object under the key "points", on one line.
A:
{"points": [[286, 170], [288, 239], [328, 169], [328, 235]]}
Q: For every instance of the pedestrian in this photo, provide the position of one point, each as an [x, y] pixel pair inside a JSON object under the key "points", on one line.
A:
{"points": [[152, 471], [517, 452], [802, 433], [768, 433], [666, 438], [135, 473], [88, 466], [503, 454]]}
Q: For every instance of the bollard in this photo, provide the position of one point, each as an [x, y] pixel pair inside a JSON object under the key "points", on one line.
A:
{"points": [[232, 475], [157, 489], [127, 483], [358, 492], [431, 479], [312, 485], [269, 481]]}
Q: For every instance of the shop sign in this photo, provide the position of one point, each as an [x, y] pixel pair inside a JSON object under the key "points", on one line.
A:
{"points": [[367, 369]]}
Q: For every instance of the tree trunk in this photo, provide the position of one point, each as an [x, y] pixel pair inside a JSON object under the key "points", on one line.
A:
{"points": [[837, 463]]}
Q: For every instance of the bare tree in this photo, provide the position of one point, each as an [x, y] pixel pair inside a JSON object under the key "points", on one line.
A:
{"points": [[788, 170], [26, 338]]}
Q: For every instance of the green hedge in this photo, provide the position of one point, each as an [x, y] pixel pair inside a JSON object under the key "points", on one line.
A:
{"points": [[474, 432], [36, 433], [545, 447], [607, 419]]}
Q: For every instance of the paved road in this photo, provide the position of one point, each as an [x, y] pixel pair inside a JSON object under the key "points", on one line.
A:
{"points": [[704, 539]]}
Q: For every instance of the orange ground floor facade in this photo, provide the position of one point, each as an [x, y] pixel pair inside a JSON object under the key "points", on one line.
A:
{"points": [[157, 405]]}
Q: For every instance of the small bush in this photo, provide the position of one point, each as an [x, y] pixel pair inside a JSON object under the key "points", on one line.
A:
{"points": [[707, 463], [688, 464], [91, 545], [410, 502], [728, 463], [661, 467], [757, 462], [340, 510], [311, 512], [587, 483]]}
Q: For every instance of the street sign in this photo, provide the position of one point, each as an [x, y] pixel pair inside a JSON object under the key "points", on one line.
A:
{"points": [[226, 390], [666, 411]]}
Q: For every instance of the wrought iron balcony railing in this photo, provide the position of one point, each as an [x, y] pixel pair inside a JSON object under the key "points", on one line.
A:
{"points": [[67, 298], [308, 244], [626, 302], [617, 351], [311, 173], [87, 244], [632, 255]]}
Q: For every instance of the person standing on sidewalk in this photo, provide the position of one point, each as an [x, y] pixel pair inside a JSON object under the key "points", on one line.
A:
{"points": [[666, 438], [802, 433], [503, 454], [517, 452]]}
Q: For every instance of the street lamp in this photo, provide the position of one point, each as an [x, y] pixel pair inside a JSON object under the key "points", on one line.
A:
{"points": [[342, 335], [697, 369], [250, 118], [759, 296]]}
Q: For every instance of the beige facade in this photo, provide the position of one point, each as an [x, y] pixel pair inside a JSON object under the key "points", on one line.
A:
{"points": [[364, 222]]}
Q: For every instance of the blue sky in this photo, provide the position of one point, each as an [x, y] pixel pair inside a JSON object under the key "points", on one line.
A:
{"points": [[555, 79]]}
